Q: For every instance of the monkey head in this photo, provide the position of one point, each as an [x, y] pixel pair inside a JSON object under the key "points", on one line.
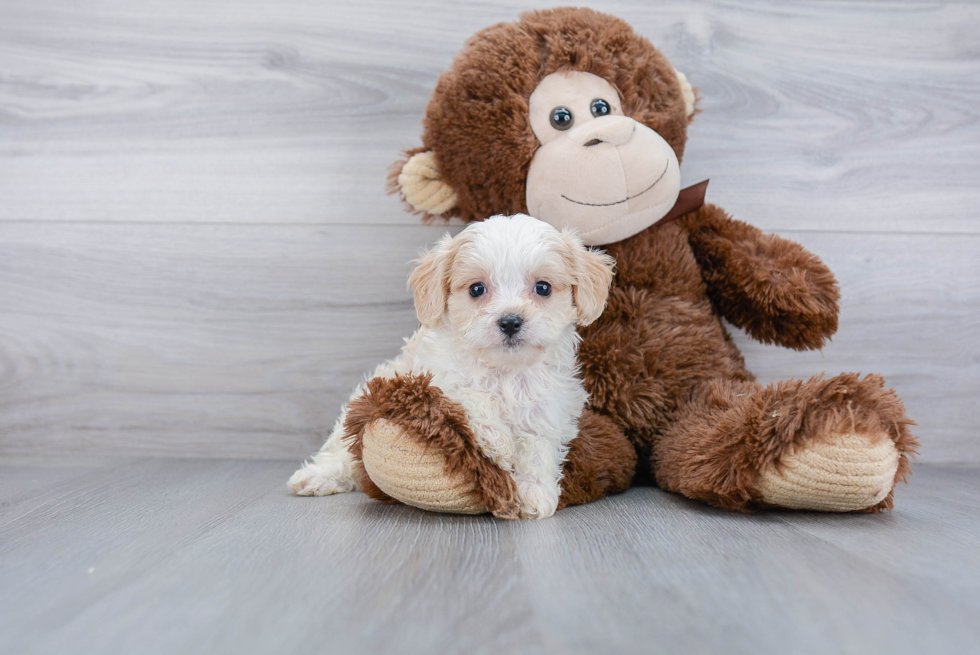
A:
{"points": [[567, 115]]}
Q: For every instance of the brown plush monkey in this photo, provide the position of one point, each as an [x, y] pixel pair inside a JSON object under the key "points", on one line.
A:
{"points": [[572, 117]]}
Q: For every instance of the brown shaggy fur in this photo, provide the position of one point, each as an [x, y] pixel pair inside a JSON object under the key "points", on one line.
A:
{"points": [[658, 364], [731, 430], [772, 288], [601, 461], [422, 411]]}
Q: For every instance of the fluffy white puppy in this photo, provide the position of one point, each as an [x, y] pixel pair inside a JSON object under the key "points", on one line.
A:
{"points": [[498, 304]]}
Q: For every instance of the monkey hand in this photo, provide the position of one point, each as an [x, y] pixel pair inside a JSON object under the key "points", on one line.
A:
{"points": [[771, 287]]}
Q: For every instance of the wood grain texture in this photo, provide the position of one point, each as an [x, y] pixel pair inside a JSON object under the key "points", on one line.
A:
{"points": [[197, 257], [243, 341], [214, 340], [855, 116], [200, 556]]}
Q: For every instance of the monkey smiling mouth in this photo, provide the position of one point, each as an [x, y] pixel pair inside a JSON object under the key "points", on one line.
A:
{"points": [[619, 202]]}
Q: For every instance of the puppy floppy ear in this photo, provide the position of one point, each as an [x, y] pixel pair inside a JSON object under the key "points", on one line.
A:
{"points": [[421, 186], [430, 281], [593, 271]]}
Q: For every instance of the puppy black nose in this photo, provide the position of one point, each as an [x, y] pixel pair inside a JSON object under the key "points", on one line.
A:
{"points": [[510, 324]]}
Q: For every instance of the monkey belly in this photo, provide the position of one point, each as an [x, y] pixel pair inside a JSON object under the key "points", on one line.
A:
{"points": [[646, 353]]}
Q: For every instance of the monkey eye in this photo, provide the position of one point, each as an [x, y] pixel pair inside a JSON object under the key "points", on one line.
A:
{"points": [[477, 290], [542, 289], [599, 107], [561, 118]]}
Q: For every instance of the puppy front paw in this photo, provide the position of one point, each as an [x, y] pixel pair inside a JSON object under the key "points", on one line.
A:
{"points": [[322, 479], [538, 499]]}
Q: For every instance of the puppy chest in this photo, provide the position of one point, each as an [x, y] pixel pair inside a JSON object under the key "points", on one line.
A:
{"points": [[520, 404]]}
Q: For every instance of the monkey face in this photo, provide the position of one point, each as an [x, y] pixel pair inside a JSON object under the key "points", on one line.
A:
{"points": [[597, 171], [567, 115]]}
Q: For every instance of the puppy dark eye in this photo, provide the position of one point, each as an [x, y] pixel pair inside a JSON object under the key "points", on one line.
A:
{"points": [[542, 289], [477, 290], [600, 107], [561, 118]]}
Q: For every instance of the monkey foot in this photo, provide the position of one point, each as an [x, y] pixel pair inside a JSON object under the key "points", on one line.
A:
{"points": [[411, 444], [841, 473], [415, 475]]}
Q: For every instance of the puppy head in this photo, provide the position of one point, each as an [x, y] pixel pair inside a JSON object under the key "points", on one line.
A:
{"points": [[511, 287]]}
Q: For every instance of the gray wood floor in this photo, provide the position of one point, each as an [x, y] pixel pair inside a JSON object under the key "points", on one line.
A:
{"points": [[196, 556], [197, 257]]}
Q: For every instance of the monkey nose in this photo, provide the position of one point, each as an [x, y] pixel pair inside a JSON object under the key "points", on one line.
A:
{"points": [[615, 130]]}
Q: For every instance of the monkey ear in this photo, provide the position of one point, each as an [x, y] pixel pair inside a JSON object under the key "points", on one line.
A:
{"points": [[422, 186], [687, 91], [428, 282], [593, 275]]}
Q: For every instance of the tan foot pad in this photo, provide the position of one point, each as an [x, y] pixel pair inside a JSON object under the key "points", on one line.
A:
{"points": [[414, 475], [842, 473]]}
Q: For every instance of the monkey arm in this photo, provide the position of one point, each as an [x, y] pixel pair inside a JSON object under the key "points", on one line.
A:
{"points": [[771, 287]]}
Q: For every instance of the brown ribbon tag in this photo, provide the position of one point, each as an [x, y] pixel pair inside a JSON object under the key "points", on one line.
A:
{"points": [[688, 200]]}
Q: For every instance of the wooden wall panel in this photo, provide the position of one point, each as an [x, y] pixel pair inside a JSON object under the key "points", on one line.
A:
{"points": [[197, 256], [851, 116], [218, 340]]}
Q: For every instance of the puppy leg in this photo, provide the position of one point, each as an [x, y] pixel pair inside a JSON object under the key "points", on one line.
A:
{"points": [[330, 471], [494, 438], [538, 497], [494, 443], [537, 472]]}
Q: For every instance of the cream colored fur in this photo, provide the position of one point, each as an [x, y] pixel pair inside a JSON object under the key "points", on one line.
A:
{"points": [[521, 395], [607, 177], [417, 477], [423, 187], [688, 92]]}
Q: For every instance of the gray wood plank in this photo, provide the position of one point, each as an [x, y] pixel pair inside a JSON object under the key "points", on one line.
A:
{"points": [[243, 341], [193, 556], [23, 487], [933, 538], [856, 116], [239, 341]]}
